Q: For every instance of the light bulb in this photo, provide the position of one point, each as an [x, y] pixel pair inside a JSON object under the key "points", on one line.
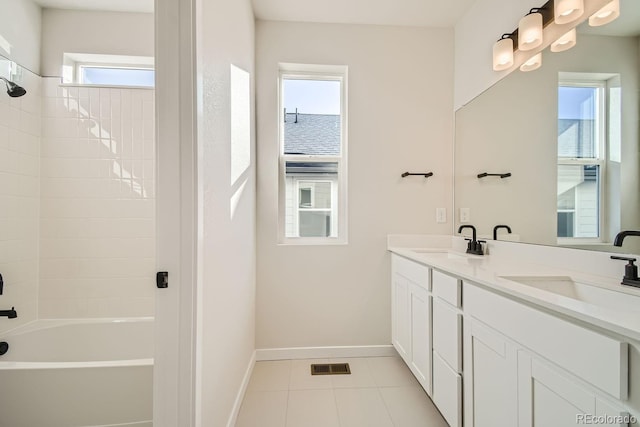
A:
{"points": [[530, 31], [605, 15], [565, 42], [532, 64], [566, 11], [503, 54]]}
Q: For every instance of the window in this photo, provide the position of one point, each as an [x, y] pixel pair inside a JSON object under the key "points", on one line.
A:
{"points": [[581, 160], [312, 195], [116, 76], [108, 70]]}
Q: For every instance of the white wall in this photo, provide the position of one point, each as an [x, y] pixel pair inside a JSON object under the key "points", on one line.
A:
{"points": [[107, 33], [20, 200], [97, 216], [400, 95], [226, 164], [20, 27]]}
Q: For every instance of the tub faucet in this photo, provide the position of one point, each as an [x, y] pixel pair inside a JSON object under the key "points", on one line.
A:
{"points": [[621, 235], [11, 314], [474, 246]]}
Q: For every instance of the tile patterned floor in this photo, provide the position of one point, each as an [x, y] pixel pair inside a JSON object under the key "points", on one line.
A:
{"points": [[380, 392]]}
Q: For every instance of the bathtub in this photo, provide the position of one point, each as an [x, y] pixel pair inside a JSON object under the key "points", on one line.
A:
{"points": [[78, 373]]}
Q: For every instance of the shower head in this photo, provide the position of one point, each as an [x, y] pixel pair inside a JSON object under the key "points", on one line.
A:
{"points": [[13, 90]]}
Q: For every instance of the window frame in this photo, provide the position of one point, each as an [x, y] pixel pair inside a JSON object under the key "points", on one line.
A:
{"points": [[339, 196], [599, 160]]}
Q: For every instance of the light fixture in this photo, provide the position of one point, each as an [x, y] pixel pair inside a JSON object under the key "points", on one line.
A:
{"points": [[530, 30], [605, 15], [565, 42], [533, 63], [503, 53], [566, 11]]}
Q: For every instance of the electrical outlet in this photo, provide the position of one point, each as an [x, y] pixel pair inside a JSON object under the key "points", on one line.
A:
{"points": [[465, 215], [441, 215]]}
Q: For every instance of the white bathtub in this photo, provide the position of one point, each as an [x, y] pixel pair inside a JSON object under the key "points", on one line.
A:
{"points": [[78, 373]]}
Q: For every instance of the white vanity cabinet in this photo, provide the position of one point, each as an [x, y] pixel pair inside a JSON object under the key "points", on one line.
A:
{"points": [[411, 317], [531, 369], [447, 346]]}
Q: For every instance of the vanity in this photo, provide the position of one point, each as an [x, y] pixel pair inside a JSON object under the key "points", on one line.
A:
{"points": [[515, 338]]}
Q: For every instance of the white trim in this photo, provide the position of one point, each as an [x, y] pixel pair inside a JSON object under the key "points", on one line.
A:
{"points": [[588, 80], [175, 379], [327, 73], [324, 352], [241, 393]]}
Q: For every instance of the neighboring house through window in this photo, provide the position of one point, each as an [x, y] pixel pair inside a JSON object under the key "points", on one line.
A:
{"points": [[313, 154]]}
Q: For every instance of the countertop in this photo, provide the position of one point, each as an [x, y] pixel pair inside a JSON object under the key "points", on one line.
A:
{"points": [[487, 271]]}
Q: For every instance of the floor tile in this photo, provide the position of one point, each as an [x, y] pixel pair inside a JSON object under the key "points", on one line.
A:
{"points": [[264, 409], [312, 408], [270, 376], [360, 374], [361, 407], [410, 406], [390, 372], [301, 378]]}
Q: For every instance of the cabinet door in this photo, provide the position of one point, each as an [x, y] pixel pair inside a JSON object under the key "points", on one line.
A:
{"points": [[401, 338], [447, 333], [421, 336], [491, 378], [447, 391], [548, 397]]}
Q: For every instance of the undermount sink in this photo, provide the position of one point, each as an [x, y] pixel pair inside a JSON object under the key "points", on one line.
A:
{"points": [[439, 254], [567, 287]]}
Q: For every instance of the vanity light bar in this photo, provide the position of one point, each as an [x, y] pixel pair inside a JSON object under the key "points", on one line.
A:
{"points": [[529, 34], [529, 29]]}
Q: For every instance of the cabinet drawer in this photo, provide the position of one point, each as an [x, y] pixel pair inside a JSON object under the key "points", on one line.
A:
{"points": [[415, 272], [447, 391], [447, 334], [447, 288], [596, 358]]}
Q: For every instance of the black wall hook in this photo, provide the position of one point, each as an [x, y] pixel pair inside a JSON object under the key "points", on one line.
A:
{"points": [[426, 175], [501, 175]]}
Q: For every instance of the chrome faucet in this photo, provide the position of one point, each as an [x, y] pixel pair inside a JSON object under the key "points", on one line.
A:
{"points": [[474, 246]]}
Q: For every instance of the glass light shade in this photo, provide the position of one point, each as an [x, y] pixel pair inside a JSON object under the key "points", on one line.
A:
{"points": [[532, 64], [566, 11], [503, 54], [530, 31], [565, 42], [605, 15]]}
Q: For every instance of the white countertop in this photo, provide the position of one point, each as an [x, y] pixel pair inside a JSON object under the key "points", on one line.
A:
{"points": [[486, 270]]}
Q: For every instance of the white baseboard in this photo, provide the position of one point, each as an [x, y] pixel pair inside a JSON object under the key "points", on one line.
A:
{"points": [[243, 389], [324, 352]]}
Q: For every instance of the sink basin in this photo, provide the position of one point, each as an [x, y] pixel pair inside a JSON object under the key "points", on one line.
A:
{"points": [[439, 254], [567, 287]]}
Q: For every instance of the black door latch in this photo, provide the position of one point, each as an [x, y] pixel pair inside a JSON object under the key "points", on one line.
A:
{"points": [[162, 279]]}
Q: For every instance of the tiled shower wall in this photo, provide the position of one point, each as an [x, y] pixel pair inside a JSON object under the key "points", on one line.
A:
{"points": [[19, 200], [97, 214]]}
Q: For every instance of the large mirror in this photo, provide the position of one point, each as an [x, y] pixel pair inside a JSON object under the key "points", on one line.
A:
{"points": [[568, 134]]}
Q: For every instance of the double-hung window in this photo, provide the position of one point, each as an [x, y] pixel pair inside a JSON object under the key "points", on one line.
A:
{"points": [[312, 130], [581, 160]]}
